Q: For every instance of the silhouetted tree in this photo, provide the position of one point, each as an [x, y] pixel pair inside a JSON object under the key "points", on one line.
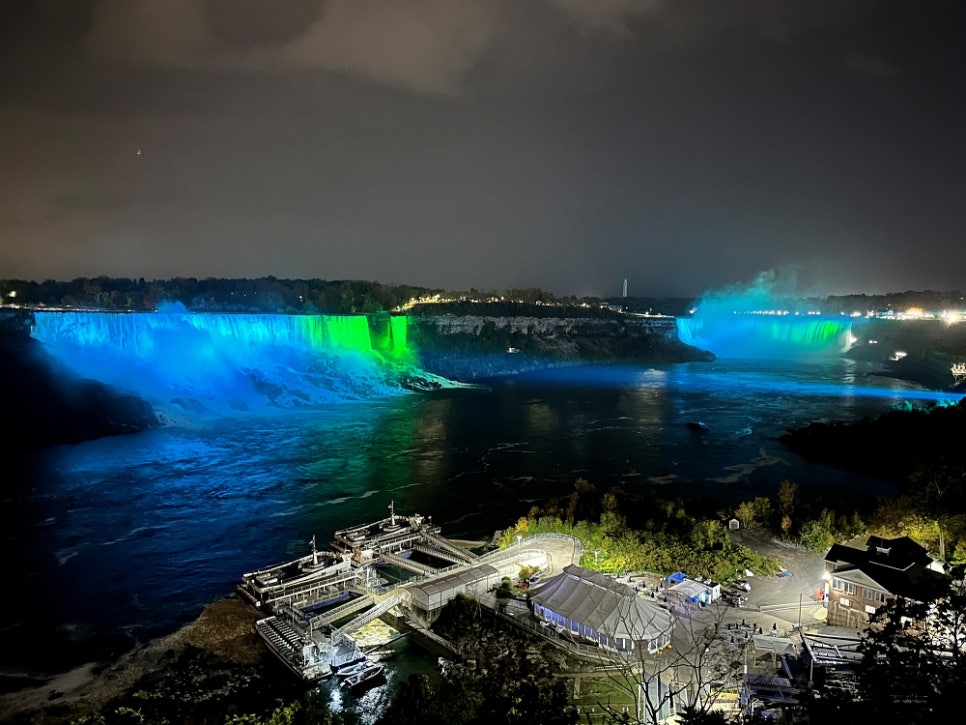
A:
{"points": [[914, 663], [939, 493]]}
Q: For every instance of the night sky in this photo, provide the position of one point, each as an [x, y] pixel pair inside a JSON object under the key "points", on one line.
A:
{"points": [[562, 144]]}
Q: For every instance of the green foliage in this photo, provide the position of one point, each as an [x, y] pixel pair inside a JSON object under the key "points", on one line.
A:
{"points": [[582, 505], [754, 514], [938, 491], [817, 534], [701, 547], [786, 497], [904, 516]]}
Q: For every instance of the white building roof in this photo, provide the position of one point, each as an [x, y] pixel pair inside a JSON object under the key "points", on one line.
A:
{"points": [[609, 607]]}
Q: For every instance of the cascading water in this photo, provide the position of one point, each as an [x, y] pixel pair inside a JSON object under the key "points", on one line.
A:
{"points": [[211, 362], [765, 319], [751, 335]]}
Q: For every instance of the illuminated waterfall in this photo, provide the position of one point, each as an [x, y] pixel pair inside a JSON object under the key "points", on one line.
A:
{"points": [[233, 361], [749, 335]]}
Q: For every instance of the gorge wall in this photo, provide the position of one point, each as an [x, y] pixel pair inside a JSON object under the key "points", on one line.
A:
{"points": [[470, 347]]}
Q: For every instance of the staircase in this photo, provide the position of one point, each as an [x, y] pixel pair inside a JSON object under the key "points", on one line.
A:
{"points": [[374, 613]]}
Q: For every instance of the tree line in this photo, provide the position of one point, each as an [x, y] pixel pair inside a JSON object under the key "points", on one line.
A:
{"points": [[311, 296], [264, 294]]}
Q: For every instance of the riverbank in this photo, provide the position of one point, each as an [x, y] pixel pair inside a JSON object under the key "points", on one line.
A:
{"points": [[215, 660], [218, 666]]}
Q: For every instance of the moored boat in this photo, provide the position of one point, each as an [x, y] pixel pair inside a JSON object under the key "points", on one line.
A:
{"points": [[368, 674]]}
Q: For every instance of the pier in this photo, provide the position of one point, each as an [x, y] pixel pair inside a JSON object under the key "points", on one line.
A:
{"points": [[314, 603]]}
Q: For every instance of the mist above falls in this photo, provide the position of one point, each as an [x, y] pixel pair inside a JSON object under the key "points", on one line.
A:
{"points": [[763, 321]]}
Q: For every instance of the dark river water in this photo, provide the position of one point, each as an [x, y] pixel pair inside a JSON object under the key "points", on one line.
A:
{"points": [[128, 537]]}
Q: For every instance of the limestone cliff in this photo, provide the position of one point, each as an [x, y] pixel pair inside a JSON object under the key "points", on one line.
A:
{"points": [[470, 347], [44, 405]]}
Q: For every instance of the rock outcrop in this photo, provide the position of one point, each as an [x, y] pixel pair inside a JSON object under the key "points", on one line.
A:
{"points": [[46, 406], [469, 347]]}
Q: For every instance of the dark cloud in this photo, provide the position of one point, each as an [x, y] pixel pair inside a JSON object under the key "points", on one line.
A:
{"points": [[489, 143], [249, 24], [422, 45]]}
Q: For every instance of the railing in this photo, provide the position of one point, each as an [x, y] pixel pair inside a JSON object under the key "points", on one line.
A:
{"points": [[293, 590], [374, 613], [439, 552], [343, 610], [578, 547], [405, 563], [461, 554]]}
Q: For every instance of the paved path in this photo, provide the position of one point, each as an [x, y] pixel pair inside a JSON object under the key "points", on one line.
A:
{"points": [[781, 596]]}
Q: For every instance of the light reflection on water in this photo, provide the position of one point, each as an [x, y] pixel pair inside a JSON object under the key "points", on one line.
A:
{"points": [[138, 532]]}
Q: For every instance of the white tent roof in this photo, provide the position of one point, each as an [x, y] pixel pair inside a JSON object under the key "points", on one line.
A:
{"points": [[691, 588], [596, 600]]}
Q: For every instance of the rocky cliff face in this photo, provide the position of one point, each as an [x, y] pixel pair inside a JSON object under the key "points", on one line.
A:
{"points": [[466, 347], [45, 406]]}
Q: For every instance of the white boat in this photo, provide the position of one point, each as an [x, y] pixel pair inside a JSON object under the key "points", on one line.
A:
{"points": [[367, 674]]}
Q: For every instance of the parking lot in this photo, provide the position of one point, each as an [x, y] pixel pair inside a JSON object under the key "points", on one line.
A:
{"points": [[780, 604]]}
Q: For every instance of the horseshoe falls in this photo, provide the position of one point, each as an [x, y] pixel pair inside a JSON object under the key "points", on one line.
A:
{"points": [[764, 336], [205, 363]]}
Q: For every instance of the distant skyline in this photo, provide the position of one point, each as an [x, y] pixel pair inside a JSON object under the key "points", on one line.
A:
{"points": [[682, 145]]}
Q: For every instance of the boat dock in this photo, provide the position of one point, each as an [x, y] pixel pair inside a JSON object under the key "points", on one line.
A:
{"points": [[314, 603]]}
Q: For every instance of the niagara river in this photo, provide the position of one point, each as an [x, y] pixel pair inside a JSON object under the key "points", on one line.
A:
{"points": [[118, 540]]}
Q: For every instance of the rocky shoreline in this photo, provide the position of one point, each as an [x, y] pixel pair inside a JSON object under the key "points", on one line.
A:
{"points": [[217, 667], [216, 661]]}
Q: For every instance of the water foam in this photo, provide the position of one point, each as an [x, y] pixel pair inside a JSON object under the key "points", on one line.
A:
{"points": [[201, 364]]}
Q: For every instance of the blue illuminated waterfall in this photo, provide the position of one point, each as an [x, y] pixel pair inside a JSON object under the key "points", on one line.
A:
{"points": [[222, 362], [751, 335]]}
